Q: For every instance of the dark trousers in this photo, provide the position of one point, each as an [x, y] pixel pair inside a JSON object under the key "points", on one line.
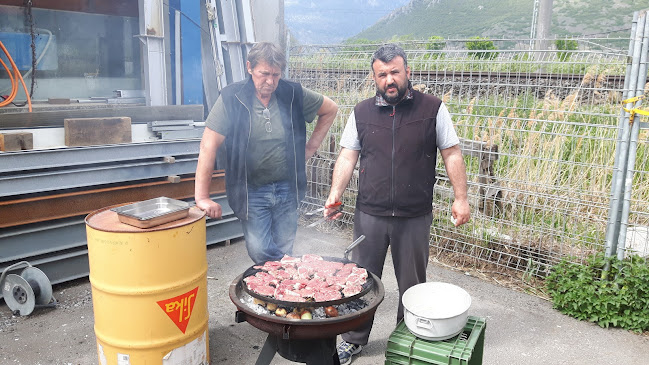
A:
{"points": [[409, 242]]}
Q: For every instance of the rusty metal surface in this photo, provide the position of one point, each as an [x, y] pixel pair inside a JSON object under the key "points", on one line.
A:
{"points": [[107, 221], [306, 329], [44, 208]]}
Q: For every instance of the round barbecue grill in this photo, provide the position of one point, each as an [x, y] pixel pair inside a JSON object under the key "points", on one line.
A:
{"points": [[365, 288], [310, 341]]}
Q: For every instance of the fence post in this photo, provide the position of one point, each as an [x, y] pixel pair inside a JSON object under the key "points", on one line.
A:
{"points": [[637, 45], [633, 144]]}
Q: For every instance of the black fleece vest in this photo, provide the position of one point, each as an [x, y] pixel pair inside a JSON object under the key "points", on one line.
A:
{"points": [[238, 98], [398, 156]]}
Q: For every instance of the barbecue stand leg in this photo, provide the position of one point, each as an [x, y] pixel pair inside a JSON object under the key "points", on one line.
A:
{"points": [[311, 352], [268, 351], [336, 359], [323, 352]]}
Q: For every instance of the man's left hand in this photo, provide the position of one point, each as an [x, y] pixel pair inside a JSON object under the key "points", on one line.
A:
{"points": [[461, 212]]}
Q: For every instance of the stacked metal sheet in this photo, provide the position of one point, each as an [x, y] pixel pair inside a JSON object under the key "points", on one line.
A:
{"points": [[176, 129], [53, 178]]}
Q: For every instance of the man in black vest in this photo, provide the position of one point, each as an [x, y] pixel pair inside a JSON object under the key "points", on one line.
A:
{"points": [[397, 134], [262, 121]]}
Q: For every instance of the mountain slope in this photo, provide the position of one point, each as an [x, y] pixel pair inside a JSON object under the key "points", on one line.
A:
{"points": [[331, 21], [503, 18]]}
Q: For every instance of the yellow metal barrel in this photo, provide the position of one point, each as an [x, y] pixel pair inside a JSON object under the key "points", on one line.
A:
{"points": [[149, 290]]}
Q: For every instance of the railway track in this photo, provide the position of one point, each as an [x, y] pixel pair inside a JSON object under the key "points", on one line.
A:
{"points": [[458, 74], [593, 88]]}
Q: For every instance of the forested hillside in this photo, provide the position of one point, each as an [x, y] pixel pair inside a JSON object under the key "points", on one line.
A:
{"points": [[503, 18]]}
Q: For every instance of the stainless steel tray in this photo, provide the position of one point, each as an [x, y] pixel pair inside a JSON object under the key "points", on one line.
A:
{"points": [[152, 212]]}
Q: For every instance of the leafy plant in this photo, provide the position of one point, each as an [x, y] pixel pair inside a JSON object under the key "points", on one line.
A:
{"points": [[481, 44], [564, 45], [618, 297], [435, 44]]}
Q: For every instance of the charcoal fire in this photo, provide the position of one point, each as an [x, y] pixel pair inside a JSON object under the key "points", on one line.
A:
{"points": [[260, 307]]}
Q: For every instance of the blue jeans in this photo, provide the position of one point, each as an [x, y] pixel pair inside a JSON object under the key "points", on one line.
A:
{"points": [[272, 221]]}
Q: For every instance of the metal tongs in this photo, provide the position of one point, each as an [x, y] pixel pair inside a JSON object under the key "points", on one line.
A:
{"points": [[354, 244], [340, 206]]}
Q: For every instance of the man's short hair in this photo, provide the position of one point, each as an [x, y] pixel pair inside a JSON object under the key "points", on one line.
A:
{"points": [[268, 52], [387, 52]]}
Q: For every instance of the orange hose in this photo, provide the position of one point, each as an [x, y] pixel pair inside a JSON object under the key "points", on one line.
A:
{"points": [[14, 82], [14, 85]]}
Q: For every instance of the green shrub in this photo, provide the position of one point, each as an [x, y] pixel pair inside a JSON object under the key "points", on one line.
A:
{"points": [[618, 297], [481, 44], [435, 43], [565, 45]]}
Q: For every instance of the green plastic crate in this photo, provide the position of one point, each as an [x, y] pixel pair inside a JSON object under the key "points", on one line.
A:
{"points": [[404, 348]]}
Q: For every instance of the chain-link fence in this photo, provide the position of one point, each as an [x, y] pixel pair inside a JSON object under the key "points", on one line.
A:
{"points": [[539, 132]]}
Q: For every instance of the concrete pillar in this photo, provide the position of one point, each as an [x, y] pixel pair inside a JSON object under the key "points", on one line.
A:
{"points": [[544, 24], [268, 21], [152, 37]]}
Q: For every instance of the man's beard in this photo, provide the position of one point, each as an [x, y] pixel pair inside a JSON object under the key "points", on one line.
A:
{"points": [[401, 92]]}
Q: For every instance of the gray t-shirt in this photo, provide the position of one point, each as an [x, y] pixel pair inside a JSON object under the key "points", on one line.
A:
{"points": [[266, 158], [446, 136]]}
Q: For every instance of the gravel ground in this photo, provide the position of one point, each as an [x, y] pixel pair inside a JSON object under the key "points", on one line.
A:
{"points": [[521, 329]]}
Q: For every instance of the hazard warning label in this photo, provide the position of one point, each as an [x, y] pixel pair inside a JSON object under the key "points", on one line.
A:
{"points": [[179, 309]]}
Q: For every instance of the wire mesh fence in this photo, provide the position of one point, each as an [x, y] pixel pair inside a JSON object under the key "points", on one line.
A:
{"points": [[539, 131]]}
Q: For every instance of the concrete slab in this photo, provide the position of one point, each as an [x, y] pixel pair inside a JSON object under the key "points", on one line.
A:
{"points": [[521, 329]]}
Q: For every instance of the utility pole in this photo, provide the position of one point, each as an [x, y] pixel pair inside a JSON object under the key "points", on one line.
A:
{"points": [[544, 23], [535, 14]]}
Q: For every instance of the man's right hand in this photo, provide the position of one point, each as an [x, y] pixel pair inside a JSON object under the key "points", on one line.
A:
{"points": [[211, 208], [331, 205]]}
